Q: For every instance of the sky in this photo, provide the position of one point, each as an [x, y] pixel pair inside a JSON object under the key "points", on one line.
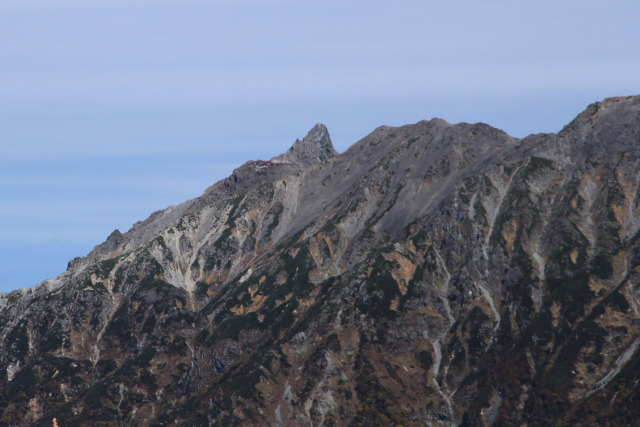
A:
{"points": [[111, 110]]}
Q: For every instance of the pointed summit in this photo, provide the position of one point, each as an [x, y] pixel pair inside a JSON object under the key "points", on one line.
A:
{"points": [[314, 148]]}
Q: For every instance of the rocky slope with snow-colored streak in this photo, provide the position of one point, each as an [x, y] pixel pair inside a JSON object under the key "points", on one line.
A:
{"points": [[432, 274]]}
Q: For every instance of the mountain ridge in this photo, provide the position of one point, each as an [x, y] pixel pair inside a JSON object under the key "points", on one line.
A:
{"points": [[431, 274], [589, 114]]}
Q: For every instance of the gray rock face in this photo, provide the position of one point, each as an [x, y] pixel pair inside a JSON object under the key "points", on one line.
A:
{"points": [[432, 274], [314, 148]]}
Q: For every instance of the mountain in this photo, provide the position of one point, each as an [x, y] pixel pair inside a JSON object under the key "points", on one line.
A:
{"points": [[432, 274]]}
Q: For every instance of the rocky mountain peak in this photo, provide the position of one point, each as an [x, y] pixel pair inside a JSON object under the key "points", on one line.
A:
{"points": [[314, 148], [456, 274]]}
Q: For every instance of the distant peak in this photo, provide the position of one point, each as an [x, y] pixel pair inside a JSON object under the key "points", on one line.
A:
{"points": [[314, 148]]}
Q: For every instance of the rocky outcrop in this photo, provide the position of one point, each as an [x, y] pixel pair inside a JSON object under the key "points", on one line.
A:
{"points": [[433, 274], [314, 148]]}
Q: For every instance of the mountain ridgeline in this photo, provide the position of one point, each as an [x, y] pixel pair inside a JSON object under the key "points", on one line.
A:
{"points": [[432, 274]]}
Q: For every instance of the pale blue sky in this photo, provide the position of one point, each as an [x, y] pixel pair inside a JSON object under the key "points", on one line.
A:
{"points": [[110, 110]]}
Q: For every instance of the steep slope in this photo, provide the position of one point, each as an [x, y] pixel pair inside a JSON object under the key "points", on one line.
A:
{"points": [[431, 274]]}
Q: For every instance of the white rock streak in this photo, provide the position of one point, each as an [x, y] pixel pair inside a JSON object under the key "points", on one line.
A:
{"points": [[617, 366], [489, 298], [437, 349]]}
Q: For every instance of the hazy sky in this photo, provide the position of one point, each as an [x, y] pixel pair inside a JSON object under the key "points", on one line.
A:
{"points": [[110, 110]]}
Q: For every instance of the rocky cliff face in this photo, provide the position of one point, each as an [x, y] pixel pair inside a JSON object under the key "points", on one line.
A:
{"points": [[433, 274]]}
